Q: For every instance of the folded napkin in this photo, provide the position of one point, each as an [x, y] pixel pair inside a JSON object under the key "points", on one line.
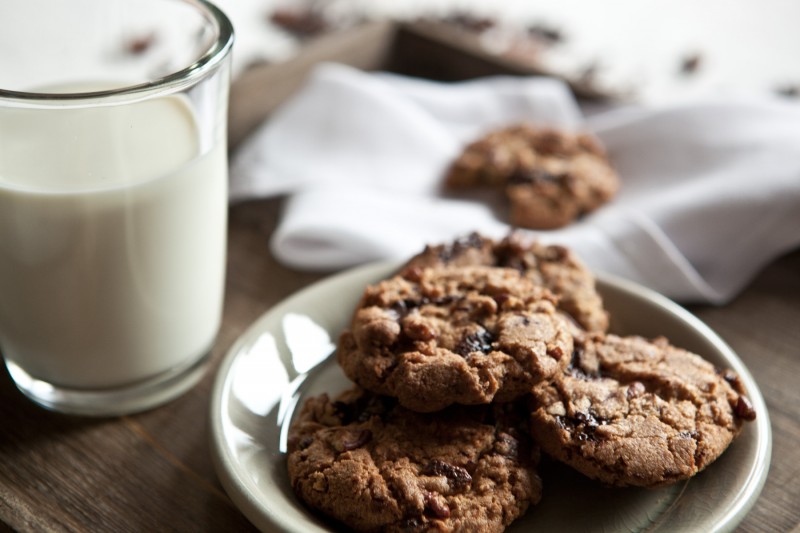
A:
{"points": [[710, 191]]}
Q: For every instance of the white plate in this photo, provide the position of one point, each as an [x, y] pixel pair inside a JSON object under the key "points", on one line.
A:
{"points": [[284, 357]]}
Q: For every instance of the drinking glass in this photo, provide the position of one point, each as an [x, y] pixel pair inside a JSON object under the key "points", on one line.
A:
{"points": [[113, 198]]}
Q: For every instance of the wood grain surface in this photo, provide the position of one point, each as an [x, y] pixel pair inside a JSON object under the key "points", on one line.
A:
{"points": [[153, 471]]}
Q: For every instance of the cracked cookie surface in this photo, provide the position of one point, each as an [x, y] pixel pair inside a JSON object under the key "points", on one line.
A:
{"points": [[634, 412], [553, 267], [432, 337], [550, 177], [375, 466]]}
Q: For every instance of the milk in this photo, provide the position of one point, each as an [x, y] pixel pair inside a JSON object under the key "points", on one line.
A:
{"points": [[112, 241]]}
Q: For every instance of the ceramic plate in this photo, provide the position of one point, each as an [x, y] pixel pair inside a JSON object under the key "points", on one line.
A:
{"points": [[285, 356]]}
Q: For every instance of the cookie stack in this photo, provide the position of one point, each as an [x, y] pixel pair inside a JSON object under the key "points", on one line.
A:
{"points": [[471, 361]]}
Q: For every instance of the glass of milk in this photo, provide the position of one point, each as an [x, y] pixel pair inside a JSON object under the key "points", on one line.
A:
{"points": [[113, 198]]}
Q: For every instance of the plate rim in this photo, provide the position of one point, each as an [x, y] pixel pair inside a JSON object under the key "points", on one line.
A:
{"points": [[255, 511]]}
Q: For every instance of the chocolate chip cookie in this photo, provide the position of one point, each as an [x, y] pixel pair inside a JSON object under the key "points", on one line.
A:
{"points": [[550, 177], [634, 412], [432, 337], [376, 466], [553, 267]]}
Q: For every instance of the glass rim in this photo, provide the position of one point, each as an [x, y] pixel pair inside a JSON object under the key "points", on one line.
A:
{"points": [[208, 61]]}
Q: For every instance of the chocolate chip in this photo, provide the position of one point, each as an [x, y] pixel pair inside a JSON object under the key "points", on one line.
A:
{"points": [[435, 505], [575, 361], [512, 252], [346, 411], [635, 390], [588, 420], [479, 341], [411, 524], [473, 240], [744, 409], [305, 442], [788, 91], [526, 176], [733, 378], [576, 366], [299, 22], [500, 299], [141, 44], [577, 372], [546, 33], [456, 475], [364, 408], [402, 307], [446, 300], [508, 446], [583, 425], [691, 63], [450, 251], [556, 352], [375, 406], [359, 440], [413, 274]]}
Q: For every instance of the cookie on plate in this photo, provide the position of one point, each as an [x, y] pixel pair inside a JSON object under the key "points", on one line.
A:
{"points": [[550, 177], [554, 267], [634, 412], [432, 337], [376, 466]]}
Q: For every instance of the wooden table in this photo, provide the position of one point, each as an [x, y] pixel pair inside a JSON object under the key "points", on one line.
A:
{"points": [[153, 471]]}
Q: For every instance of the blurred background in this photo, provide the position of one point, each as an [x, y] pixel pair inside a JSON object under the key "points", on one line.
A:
{"points": [[656, 51]]}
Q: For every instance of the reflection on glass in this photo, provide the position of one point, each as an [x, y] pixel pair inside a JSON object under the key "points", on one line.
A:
{"points": [[308, 342], [259, 375]]}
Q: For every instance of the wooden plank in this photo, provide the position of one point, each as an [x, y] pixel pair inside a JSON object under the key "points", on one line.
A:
{"points": [[152, 472], [439, 51], [429, 50], [260, 89], [761, 325], [60, 473]]}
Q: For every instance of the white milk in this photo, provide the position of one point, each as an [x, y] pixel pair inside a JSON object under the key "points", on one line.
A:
{"points": [[112, 242]]}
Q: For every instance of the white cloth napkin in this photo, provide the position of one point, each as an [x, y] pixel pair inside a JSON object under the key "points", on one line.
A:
{"points": [[710, 191]]}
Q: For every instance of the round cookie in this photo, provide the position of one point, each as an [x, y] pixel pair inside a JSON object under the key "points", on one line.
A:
{"points": [[633, 412], [471, 335], [376, 466], [553, 267], [550, 177]]}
